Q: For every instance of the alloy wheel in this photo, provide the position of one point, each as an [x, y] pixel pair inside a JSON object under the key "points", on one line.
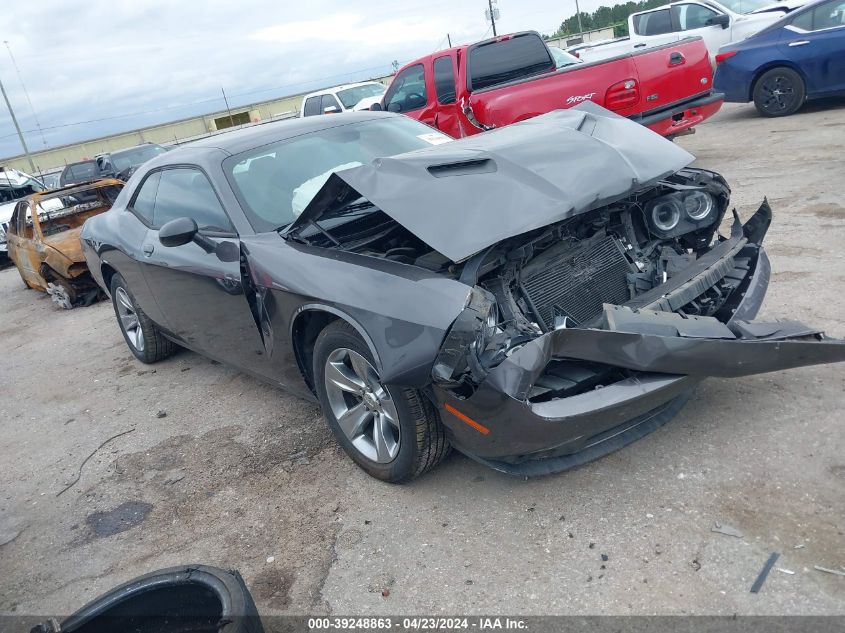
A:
{"points": [[362, 405], [778, 94], [128, 317]]}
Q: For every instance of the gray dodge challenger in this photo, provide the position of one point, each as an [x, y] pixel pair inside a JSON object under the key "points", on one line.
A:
{"points": [[536, 296]]}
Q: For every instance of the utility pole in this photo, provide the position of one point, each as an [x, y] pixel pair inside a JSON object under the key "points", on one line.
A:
{"points": [[226, 101], [18, 128], [578, 13], [492, 16]]}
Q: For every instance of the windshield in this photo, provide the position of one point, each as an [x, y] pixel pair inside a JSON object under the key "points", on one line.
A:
{"points": [[134, 157], [745, 6], [17, 188], [351, 96], [275, 182]]}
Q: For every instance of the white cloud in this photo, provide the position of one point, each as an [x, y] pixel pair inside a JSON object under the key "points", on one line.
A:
{"points": [[354, 28], [101, 60]]}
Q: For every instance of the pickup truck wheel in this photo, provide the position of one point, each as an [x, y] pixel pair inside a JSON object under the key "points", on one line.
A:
{"points": [[144, 339], [393, 433], [779, 92]]}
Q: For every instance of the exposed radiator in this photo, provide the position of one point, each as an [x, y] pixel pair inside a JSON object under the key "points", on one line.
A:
{"points": [[576, 282]]}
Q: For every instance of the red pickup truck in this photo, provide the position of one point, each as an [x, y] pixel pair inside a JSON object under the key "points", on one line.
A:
{"points": [[471, 88]]}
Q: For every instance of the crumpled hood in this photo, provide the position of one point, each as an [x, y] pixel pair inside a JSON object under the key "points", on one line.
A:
{"points": [[463, 196]]}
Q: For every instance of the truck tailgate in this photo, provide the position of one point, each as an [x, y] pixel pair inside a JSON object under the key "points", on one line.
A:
{"points": [[672, 73]]}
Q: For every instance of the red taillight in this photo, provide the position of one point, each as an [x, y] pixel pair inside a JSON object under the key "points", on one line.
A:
{"points": [[622, 94], [723, 56]]}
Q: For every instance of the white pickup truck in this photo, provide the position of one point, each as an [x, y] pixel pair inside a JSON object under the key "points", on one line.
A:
{"points": [[348, 98], [718, 23]]}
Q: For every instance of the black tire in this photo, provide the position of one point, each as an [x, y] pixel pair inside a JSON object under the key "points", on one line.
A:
{"points": [[779, 92], [417, 417], [153, 346], [173, 600]]}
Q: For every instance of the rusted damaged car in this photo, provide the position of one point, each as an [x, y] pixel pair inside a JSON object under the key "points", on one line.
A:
{"points": [[535, 296], [43, 239]]}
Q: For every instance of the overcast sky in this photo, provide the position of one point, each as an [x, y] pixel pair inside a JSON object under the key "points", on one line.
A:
{"points": [[95, 67]]}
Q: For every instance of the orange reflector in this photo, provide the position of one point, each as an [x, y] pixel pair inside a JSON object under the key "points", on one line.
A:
{"points": [[466, 419]]}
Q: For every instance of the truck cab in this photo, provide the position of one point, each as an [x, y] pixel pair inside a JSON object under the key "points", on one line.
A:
{"points": [[717, 23], [468, 89]]}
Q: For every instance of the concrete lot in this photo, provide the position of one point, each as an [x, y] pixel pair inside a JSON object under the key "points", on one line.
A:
{"points": [[236, 472]]}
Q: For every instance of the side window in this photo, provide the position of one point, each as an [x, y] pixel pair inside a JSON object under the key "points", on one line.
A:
{"points": [[23, 226], [145, 199], [407, 92], [825, 16], [653, 23], [444, 80], [186, 192], [312, 106], [328, 102], [692, 16], [803, 21]]}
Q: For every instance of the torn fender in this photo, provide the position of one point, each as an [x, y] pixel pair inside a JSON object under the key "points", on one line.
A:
{"points": [[669, 343]]}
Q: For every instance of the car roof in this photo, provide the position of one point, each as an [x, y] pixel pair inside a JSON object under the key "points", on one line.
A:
{"points": [[238, 141], [129, 149], [81, 162], [339, 88]]}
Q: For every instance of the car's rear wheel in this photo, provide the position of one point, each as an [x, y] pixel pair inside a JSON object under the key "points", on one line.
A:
{"points": [[779, 92], [142, 336], [393, 433]]}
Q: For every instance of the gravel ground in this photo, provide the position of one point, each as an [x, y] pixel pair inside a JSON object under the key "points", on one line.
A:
{"points": [[215, 467]]}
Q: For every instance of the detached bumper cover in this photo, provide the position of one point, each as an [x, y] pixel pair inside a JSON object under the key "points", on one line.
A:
{"points": [[668, 354]]}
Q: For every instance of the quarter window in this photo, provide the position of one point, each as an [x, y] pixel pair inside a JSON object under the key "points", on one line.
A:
{"points": [[145, 199], [444, 80], [407, 92]]}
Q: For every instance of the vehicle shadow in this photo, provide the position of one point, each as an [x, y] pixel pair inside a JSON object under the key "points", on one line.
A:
{"points": [[748, 111]]}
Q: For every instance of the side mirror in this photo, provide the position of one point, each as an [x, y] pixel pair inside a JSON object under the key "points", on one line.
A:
{"points": [[178, 232], [376, 107], [330, 110], [723, 20]]}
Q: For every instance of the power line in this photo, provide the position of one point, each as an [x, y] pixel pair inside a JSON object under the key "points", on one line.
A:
{"points": [[202, 101], [26, 92]]}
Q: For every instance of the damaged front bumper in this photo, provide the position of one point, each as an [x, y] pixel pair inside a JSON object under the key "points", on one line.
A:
{"points": [[657, 357]]}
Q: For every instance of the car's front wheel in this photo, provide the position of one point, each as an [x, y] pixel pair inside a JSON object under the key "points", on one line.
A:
{"points": [[779, 92], [393, 433], [142, 336]]}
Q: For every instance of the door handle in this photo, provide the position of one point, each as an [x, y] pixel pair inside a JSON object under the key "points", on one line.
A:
{"points": [[148, 249], [799, 43], [639, 45], [676, 58]]}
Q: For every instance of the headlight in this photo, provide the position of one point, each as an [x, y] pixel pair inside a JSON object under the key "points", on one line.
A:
{"points": [[678, 213], [698, 205], [666, 214]]}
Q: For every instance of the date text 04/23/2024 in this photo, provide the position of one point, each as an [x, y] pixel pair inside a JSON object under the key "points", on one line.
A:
{"points": [[417, 623]]}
